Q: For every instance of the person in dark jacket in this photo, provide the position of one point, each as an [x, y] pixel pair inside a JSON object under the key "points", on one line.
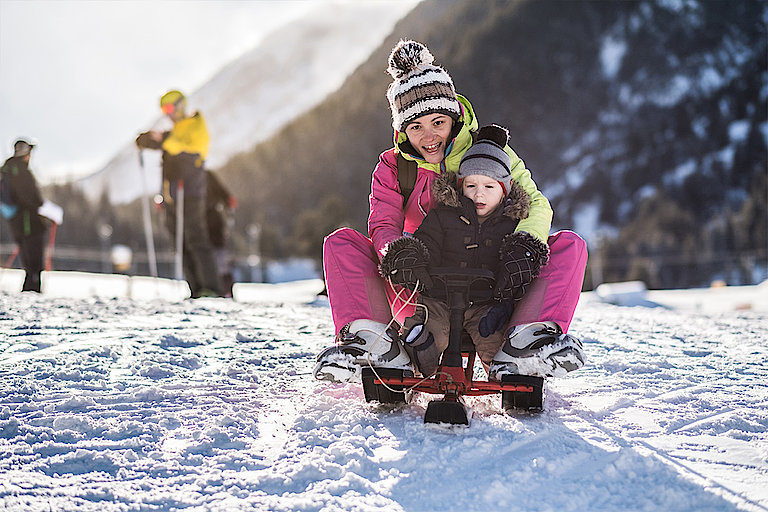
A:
{"points": [[474, 227], [185, 148], [27, 227], [219, 204]]}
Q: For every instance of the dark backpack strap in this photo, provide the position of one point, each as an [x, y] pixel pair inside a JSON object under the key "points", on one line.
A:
{"points": [[406, 176]]}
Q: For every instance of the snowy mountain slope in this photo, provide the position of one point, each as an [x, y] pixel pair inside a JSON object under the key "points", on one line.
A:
{"points": [[644, 123], [254, 96], [209, 405]]}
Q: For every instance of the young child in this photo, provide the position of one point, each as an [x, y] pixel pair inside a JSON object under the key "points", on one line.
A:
{"points": [[473, 227]]}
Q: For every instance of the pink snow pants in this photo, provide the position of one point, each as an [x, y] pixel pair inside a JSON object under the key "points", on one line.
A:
{"points": [[356, 290]]}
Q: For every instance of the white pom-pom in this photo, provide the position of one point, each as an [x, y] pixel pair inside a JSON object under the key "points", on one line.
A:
{"points": [[408, 56]]}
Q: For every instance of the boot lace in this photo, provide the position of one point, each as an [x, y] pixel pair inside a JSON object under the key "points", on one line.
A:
{"points": [[545, 336], [344, 337]]}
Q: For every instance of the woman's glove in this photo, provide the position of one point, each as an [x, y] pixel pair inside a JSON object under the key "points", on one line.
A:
{"points": [[496, 317], [522, 256], [406, 263]]}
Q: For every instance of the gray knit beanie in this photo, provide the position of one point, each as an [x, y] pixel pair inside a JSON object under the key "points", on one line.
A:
{"points": [[487, 156], [419, 87]]}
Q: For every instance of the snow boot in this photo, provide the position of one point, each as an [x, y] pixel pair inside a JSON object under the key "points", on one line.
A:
{"points": [[361, 343], [539, 349]]}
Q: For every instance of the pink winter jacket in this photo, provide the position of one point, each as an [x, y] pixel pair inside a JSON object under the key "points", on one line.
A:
{"points": [[389, 219]]}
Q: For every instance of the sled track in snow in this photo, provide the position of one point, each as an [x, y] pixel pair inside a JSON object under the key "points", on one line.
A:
{"points": [[644, 447], [113, 405]]}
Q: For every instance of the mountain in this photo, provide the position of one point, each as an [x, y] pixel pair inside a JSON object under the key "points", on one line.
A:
{"points": [[644, 122], [251, 98]]}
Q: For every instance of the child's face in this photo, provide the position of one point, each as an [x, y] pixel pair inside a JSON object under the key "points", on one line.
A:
{"points": [[485, 192]]}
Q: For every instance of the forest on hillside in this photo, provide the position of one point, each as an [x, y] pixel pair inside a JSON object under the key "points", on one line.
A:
{"points": [[658, 158], [644, 122]]}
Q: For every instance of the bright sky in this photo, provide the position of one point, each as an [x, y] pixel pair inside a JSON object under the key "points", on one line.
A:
{"points": [[82, 77]]}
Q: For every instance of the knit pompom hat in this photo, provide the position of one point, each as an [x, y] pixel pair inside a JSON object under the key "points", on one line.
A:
{"points": [[419, 87], [487, 156]]}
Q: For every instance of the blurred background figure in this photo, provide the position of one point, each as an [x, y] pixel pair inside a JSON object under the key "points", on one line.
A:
{"points": [[219, 208], [185, 148], [21, 200]]}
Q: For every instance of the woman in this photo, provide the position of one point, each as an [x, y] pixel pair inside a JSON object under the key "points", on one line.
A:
{"points": [[432, 127]]}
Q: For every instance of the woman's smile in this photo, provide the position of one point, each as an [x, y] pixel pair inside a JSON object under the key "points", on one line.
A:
{"points": [[432, 148]]}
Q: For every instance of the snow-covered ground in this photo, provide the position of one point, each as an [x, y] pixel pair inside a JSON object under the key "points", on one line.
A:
{"points": [[113, 404]]}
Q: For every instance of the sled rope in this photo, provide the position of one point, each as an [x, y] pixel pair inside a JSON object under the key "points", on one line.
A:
{"points": [[407, 302]]}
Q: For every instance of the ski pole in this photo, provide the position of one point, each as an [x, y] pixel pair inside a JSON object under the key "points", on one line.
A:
{"points": [[179, 230], [12, 257], [148, 235]]}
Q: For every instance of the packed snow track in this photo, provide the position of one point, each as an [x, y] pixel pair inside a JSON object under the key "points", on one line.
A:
{"points": [[123, 405]]}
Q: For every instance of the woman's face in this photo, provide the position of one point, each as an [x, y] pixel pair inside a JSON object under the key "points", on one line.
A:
{"points": [[429, 136], [485, 192]]}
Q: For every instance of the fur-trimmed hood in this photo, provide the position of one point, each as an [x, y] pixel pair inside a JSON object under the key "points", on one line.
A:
{"points": [[516, 205]]}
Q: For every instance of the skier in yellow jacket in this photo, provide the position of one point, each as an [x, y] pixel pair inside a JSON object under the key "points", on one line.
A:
{"points": [[185, 148]]}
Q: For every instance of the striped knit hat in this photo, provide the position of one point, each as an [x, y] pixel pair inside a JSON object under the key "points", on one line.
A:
{"points": [[419, 87]]}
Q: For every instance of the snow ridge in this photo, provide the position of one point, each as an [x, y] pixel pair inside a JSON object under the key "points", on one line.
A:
{"points": [[251, 98]]}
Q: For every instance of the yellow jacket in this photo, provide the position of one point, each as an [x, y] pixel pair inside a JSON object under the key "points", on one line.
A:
{"points": [[184, 150], [189, 135]]}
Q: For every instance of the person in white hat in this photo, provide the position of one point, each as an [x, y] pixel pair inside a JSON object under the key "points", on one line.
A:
{"points": [[21, 200]]}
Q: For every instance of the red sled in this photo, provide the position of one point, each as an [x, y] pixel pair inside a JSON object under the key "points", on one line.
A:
{"points": [[459, 288]]}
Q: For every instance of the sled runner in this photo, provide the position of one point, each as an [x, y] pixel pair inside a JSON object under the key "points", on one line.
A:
{"points": [[458, 288]]}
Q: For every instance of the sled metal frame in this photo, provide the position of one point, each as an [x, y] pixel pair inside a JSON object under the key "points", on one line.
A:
{"points": [[459, 288], [445, 381]]}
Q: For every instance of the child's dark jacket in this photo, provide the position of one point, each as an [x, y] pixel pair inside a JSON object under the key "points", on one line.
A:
{"points": [[454, 235]]}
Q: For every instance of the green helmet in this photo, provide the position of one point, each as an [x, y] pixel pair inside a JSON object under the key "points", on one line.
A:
{"points": [[170, 98], [172, 102]]}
